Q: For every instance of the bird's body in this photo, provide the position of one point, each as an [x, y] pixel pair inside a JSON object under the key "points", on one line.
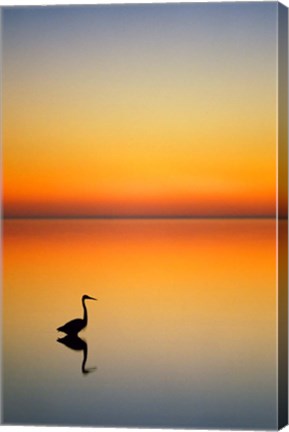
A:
{"points": [[73, 327]]}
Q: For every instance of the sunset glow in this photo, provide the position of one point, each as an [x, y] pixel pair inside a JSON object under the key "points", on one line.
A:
{"points": [[140, 110]]}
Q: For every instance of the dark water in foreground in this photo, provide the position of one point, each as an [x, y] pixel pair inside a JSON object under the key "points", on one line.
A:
{"points": [[183, 333]]}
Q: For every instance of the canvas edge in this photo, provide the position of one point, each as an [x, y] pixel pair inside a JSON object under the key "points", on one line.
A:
{"points": [[1, 222], [282, 216]]}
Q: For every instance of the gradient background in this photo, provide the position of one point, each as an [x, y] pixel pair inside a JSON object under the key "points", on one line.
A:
{"points": [[183, 333], [140, 110]]}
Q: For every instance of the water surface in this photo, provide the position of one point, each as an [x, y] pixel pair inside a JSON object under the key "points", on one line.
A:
{"points": [[183, 333]]}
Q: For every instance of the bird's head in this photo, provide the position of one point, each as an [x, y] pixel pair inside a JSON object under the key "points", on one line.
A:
{"points": [[86, 297]]}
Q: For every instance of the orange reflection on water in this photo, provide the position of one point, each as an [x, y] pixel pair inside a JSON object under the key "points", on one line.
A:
{"points": [[196, 296]]}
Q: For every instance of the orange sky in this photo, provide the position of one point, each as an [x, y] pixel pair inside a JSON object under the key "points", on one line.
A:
{"points": [[173, 116]]}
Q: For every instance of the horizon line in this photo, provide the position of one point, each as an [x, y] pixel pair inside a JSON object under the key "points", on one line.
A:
{"points": [[137, 217]]}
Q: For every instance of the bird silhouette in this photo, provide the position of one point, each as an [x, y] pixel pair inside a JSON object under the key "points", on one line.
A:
{"points": [[77, 344], [73, 327]]}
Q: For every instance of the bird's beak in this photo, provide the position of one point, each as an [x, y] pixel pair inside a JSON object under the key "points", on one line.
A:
{"points": [[92, 298]]}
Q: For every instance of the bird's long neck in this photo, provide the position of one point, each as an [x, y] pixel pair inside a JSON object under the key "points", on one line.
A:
{"points": [[84, 312]]}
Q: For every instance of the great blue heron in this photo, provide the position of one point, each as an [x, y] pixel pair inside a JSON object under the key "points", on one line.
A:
{"points": [[73, 327]]}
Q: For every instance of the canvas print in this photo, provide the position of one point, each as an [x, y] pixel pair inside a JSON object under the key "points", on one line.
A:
{"points": [[145, 215]]}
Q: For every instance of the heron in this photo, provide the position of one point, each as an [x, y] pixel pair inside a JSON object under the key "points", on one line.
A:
{"points": [[73, 327]]}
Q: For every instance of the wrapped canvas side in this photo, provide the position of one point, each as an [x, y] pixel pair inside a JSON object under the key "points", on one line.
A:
{"points": [[282, 216]]}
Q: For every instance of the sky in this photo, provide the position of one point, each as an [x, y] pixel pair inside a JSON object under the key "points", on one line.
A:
{"points": [[162, 110]]}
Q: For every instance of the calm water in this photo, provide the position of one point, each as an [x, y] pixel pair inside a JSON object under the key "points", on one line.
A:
{"points": [[183, 333]]}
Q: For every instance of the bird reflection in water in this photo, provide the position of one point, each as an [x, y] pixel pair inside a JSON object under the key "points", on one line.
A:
{"points": [[75, 343]]}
